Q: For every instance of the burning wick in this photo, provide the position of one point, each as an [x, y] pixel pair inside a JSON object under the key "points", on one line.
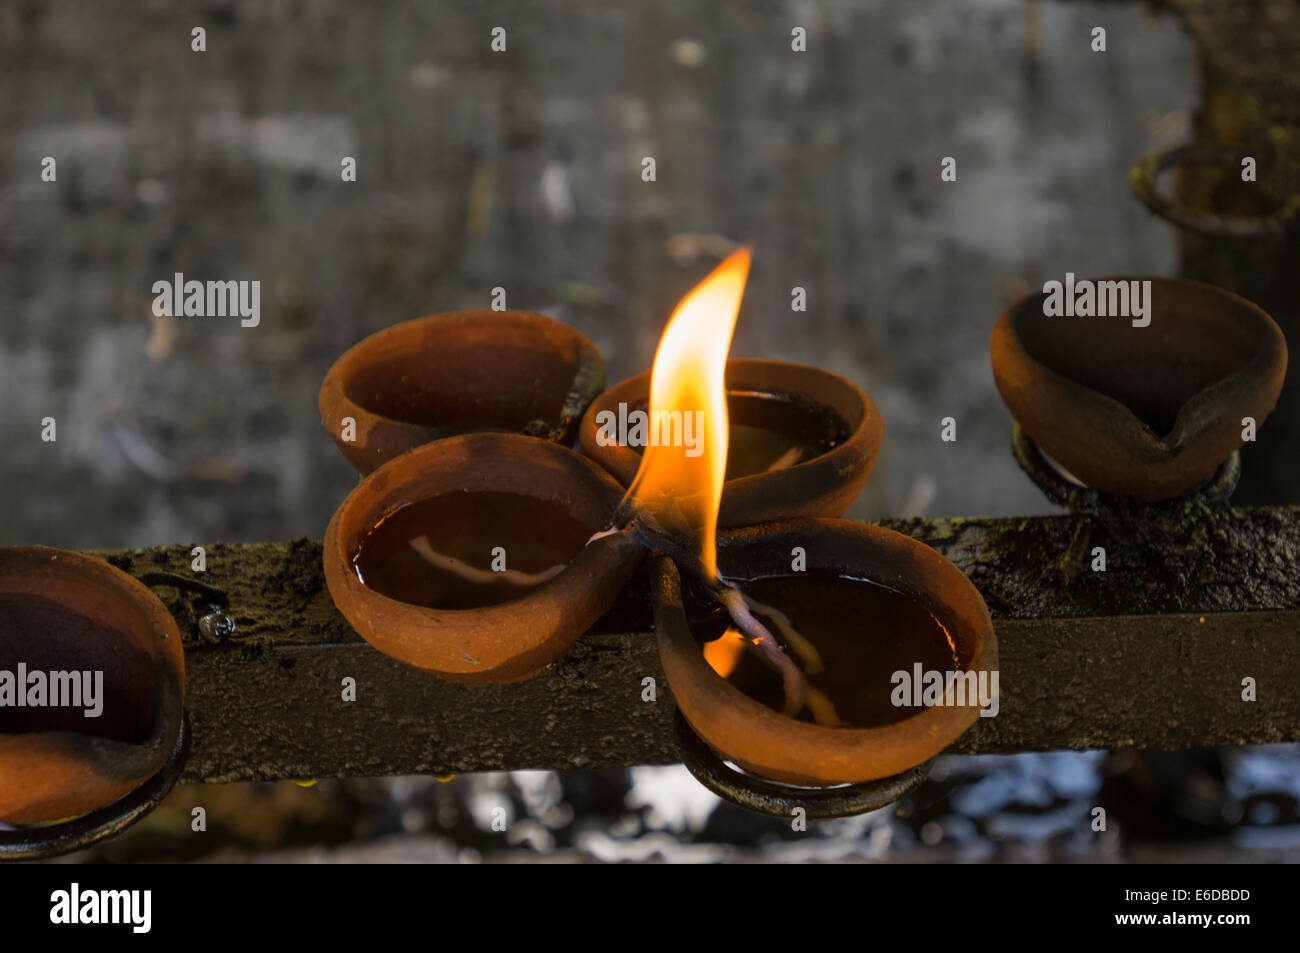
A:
{"points": [[733, 600], [672, 504], [798, 693], [812, 660], [629, 519]]}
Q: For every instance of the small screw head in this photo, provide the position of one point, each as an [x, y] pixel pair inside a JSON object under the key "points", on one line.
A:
{"points": [[216, 626]]}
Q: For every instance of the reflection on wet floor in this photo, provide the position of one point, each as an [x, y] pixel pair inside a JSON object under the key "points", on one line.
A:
{"points": [[1209, 805]]}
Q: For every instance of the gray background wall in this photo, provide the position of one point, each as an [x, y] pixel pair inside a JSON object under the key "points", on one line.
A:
{"points": [[522, 170]]}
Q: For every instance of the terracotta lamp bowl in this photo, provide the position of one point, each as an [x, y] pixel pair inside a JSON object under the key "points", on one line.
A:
{"points": [[1147, 412], [65, 612], [462, 372], [509, 640], [767, 743], [759, 392]]}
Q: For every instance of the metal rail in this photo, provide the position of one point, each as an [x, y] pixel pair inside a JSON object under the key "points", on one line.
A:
{"points": [[1150, 653]]}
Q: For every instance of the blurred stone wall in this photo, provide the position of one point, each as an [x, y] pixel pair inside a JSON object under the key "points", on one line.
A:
{"points": [[522, 170]]}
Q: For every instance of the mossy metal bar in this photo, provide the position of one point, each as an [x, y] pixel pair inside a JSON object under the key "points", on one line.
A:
{"points": [[1151, 652]]}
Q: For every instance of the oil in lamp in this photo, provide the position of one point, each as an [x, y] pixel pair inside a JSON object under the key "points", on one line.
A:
{"points": [[409, 555], [801, 439]]}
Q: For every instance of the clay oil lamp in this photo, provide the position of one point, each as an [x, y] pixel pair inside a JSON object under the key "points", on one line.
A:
{"points": [[802, 440], [785, 645], [472, 557], [92, 690], [462, 372], [483, 557], [1147, 410], [869, 604]]}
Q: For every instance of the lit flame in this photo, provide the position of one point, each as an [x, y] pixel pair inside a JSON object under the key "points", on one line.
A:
{"points": [[683, 492], [723, 653]]}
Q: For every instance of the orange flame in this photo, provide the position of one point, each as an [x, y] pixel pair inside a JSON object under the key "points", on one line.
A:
{"points": [[680, 483], [723, 653]]}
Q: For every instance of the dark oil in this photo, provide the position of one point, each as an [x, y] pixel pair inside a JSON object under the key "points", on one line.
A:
{"points": [[862, 631], [535, 534], [773, 431], [47, 636]]}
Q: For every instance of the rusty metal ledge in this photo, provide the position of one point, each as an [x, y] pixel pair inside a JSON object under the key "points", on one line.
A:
{"points": [[1151, 653]]}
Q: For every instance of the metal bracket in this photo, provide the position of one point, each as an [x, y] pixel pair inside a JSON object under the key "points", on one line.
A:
{"points": [[782, 800]]}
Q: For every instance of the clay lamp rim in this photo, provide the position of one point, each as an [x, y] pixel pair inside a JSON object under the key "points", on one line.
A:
{"points": [[825, 485], [508, 641], [42, 841], [70, 773], [1132, 459], [1197, 413], [380, 437], [776, 747]]}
